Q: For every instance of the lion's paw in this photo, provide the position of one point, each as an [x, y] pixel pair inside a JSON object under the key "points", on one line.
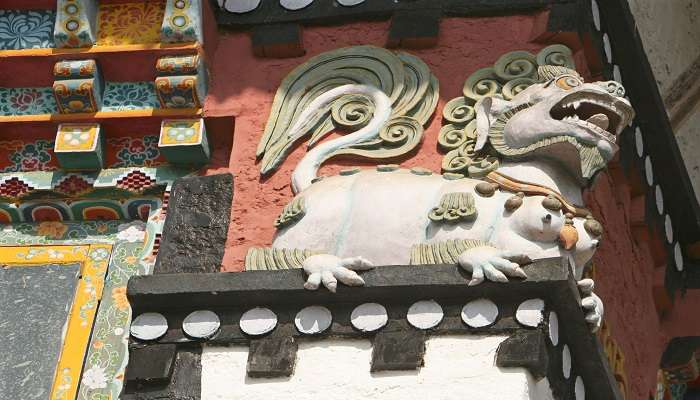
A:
{"points": [[328, 269], [492, 264], [591, 303]]}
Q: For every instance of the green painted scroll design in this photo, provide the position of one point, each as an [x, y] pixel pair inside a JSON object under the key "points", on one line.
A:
{"points": [[442, 252], [406, 79], [291, 213], [512, 73], [454, 207], [271, 259]]}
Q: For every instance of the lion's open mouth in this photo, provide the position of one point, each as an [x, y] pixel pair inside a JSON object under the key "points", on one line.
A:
{"points": [[597, 112]]}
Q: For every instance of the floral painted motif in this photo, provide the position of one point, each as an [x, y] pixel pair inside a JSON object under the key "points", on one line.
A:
{"points": [[119, 297], [94, 378], [132, 232], [130, 23], [32, 156], [21, 234], [27, 101], [135, 151], [20, 29], [121, 96], [108, 348], [52, 229], [99, 254]]}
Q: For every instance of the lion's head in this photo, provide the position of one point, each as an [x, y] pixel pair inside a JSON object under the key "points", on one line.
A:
{"points": [[552, 114]]}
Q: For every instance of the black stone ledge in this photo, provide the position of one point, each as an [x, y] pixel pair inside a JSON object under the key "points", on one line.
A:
{"points": [[191, 290], [328, 12]]}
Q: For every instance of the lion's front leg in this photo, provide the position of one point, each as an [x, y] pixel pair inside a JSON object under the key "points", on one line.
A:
{"points": [[492, 263], [328, 269]]}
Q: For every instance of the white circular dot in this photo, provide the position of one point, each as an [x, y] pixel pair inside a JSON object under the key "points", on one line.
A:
{"points": [[149, 326], [369, 317], [607, 48], [479, 313], [616, 74], [201, 324], [580, 389], [639, 142], [425, 314], [659, 200], [241, 6], [313, 320], [596, 14], [553, 328], [678, 256], [648, 171], [529, 312], [294, 5], [566, 362], [350, 3], [668, 227], [258, 321]]}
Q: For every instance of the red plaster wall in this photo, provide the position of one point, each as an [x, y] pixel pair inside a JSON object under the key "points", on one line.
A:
{"points": [[624, 278]]}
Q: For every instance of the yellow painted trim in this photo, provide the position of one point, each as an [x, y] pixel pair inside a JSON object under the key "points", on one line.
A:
{"points": [[98, 49], [150, 112], [94, 260]]}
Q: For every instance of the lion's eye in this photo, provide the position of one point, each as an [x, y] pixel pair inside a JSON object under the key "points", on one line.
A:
{"points": [[568, 82]]}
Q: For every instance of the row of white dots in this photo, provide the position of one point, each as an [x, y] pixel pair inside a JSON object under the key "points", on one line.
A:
{"points": [[244, 6], [312, 320]]}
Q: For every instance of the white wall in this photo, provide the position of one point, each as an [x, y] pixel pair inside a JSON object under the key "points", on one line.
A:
{"points": [[456, 367], [670, 32]]}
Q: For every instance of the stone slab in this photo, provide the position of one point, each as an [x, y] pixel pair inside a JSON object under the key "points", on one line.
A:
{"points": [[396, 351], [35, 304], [151, 363], [196, 227], [272, 357]]}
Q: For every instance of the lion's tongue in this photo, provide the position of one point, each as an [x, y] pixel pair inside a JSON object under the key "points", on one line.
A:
{"points": [[599, 120]]}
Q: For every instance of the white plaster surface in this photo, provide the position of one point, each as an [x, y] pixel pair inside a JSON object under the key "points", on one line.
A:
{"points": [[424, 314], [201, 324], [149, 326], [369, 317], [480, 313], [313, 319], [678, 256], [241, 6], [456, 367], [670, 32], [553, 328], [659, 199], [530, 311], [566, 362], [580, 389], [688, 137], [258, 321]]}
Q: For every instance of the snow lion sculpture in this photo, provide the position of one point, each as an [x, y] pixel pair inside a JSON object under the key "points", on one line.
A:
{"points": [[523, 141]]}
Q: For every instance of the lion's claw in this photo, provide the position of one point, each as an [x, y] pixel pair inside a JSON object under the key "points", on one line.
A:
{"points": [[491, 263], [328, 269]]}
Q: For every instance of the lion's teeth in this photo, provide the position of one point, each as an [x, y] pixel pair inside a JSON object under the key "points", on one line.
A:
{"points": [[599, 120]]}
